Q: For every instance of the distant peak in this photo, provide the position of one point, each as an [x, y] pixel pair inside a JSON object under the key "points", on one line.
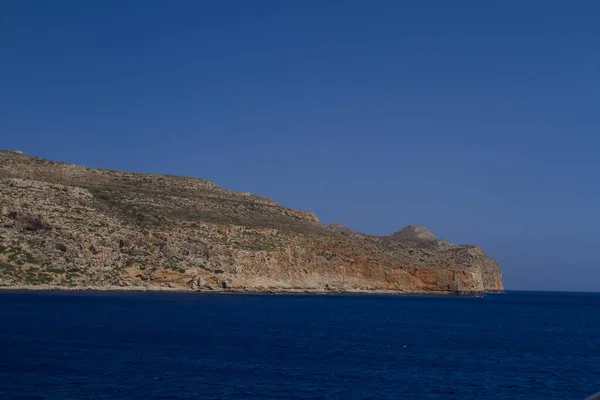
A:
{"points": [[411, 233]]}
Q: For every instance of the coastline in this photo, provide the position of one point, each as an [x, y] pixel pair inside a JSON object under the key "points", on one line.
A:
{"points": [[273, 291], [66, 227]]}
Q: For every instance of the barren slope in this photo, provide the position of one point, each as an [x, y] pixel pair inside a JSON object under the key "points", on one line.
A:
{"points": [[68, 226]]}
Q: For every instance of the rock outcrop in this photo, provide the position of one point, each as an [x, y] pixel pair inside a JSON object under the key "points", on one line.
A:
{"points": [[68, 226]]}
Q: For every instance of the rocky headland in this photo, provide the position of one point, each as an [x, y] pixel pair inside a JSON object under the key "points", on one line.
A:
{"points": [[71, 227]]}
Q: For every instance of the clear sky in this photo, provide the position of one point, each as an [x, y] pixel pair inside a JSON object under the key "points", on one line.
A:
{"points": [[477, 119]]}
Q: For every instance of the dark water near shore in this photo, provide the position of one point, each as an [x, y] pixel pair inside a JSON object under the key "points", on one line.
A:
{"points": [[190, 346]]}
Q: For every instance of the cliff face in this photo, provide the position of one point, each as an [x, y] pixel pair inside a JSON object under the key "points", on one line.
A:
{"points": [[67, 226]]}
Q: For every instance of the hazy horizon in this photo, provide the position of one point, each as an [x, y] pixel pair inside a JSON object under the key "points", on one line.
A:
{"points": [[477, 121]]}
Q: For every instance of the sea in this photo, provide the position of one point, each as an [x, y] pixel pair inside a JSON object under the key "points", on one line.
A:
{"points": [[517, 345]]}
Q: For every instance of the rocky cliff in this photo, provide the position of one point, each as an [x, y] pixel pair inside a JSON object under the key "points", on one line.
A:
{"points": [[68, 226]]}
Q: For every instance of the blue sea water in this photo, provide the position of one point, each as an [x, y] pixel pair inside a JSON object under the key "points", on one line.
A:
{"points": [[194, 346]]}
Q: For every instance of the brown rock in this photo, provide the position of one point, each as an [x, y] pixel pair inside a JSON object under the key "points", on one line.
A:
{"points": [[65, 226]]}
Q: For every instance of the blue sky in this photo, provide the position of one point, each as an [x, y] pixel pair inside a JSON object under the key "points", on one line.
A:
{"points": [[477, 119]]}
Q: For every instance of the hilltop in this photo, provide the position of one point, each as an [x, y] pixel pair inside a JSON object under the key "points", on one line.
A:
{"points": [[66, 226]]}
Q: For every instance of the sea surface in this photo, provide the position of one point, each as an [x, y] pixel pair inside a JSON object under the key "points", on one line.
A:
{"points": [[519, 345]]}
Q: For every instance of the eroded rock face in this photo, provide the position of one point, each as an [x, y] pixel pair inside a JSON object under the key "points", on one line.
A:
{"points": [[68, 226]]}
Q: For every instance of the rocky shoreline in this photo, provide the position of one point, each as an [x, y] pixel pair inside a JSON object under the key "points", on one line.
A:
{"points": [[274, 291], [68, 226]]}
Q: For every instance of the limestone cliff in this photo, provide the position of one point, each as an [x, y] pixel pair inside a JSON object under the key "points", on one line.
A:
{"points": [[68, 226]]}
